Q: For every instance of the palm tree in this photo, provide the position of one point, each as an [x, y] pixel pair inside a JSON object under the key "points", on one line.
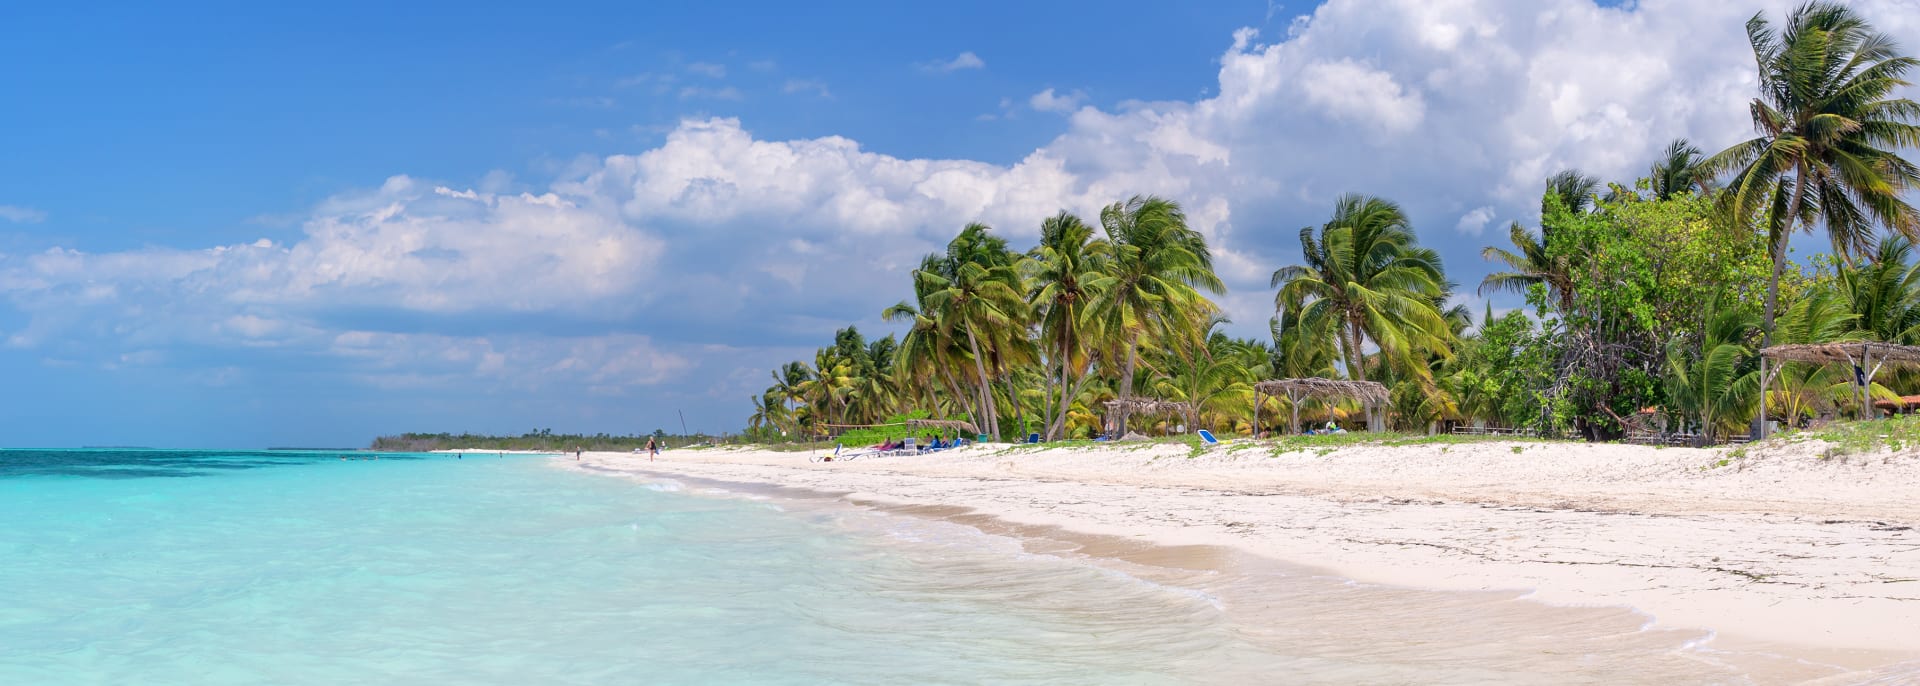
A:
{"points": [[1062, 268], [974, 288], [1208, 377], [1829, 132], [1716, 384], [928, 349], [1531, 265], [1574, 189], [1677, 171], [788, 383], [1150, 289], [1366, 280], [1885, 291], [1534, 264]]}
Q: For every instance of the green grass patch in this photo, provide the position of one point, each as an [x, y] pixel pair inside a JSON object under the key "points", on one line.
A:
{"points": [[1861, 437]]}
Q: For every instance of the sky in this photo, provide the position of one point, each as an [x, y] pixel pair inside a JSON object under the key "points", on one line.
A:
{"points": [[242, 225]]}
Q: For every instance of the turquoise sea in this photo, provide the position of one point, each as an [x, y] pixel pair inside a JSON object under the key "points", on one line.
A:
{"points": [[211, 567]]}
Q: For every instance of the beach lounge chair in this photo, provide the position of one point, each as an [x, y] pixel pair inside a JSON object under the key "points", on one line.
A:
{"points": [[1033, 438], [1207, 437], [906, 448]]}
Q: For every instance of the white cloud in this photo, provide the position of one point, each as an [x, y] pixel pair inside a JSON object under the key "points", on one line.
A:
{"points": [[705, 93], [708, 69], [1349, 90], [22, 215], [965, 60], [1048, 101], [815, 87], [1472, 223]]}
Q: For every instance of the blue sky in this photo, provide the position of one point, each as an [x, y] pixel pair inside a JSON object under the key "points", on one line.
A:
{"points": [[252, 225]]}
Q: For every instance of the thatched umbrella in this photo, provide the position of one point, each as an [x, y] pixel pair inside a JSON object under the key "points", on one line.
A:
{"points": [[1867, 357], [1369, 393]]}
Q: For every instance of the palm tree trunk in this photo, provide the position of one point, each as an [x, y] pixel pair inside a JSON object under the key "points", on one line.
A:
{"points": [[1066, 362], [990, 424], [1126, 381], [1779, 253], [958, 392], [1019, 412]]}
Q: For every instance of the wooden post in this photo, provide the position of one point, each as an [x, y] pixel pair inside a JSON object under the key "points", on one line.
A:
{"points": [[1866, 382], [1256, 411]]}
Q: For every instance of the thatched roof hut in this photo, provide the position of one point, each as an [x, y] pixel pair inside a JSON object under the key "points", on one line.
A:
{"points": [[1858, 353], [1866, 357], [1370, 394], [1153, 406]]}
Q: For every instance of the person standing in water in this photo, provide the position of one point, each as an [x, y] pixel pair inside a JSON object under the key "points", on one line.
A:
{"points": [[653, 449]]}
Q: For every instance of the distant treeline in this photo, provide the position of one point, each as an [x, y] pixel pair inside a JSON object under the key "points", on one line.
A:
{"points": [[542, 439]]}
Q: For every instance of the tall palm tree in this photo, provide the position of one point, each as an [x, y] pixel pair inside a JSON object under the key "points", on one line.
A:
{"points": [[1367, 280], [1156, 268], [974, 288], [1829, 131], [928, 351], [1062, 269]]}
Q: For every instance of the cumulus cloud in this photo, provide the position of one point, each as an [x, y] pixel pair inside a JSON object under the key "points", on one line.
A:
{"points": [[1049, 101], [22, 215], [727, 251], [965, 60]]}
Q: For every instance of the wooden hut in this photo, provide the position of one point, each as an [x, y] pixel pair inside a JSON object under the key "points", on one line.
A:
{"points": [[1372, 395], [1866, 358]]}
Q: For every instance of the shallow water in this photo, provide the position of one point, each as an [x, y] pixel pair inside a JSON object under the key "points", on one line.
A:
{"points": [[298, 568]]}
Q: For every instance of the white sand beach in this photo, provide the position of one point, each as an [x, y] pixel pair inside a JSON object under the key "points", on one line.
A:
{"points": [[1780, 549]]}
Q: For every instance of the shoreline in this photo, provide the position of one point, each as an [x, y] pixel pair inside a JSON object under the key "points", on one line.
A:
{"points": [[1773, 553]]}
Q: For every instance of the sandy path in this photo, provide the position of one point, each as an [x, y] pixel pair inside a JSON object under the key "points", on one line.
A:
{"points": [[1782, 549]]}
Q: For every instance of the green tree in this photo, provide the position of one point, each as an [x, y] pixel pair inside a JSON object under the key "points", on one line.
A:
{"points": [[1062, 270]]}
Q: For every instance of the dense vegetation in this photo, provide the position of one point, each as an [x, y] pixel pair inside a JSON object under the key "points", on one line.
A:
{"points": [[1656, 292]]}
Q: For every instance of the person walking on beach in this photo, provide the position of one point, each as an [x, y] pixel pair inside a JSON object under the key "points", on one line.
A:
{"points": [[653, 449], [576, 453]]}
